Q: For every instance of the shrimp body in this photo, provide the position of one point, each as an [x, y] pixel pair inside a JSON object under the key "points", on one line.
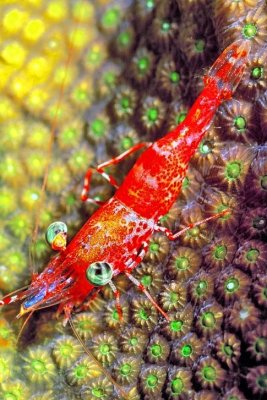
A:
{"points": [[112, 239]]}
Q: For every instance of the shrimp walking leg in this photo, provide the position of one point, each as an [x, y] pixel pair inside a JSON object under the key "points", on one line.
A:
{"points": [[148, 295], [173, 236], [100, 170], [117, 299]]}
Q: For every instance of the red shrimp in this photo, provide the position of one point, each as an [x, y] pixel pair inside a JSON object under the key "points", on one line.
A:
{"points": [[114, 239]]}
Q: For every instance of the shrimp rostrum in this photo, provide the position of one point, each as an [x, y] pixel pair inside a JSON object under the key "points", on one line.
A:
{"points": [[114, 239]]}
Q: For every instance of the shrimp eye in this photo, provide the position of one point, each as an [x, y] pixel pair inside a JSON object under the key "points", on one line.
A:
{"points": [[99, 273], [56, 235]]}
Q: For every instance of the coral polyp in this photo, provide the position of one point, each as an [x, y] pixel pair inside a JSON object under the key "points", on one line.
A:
{"points": [[209, 373], [228, 350], [183, 263]]}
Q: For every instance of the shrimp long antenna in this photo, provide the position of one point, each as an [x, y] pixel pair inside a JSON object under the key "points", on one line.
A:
{"points": [[24, 325], [52, 137], [100, 366]]}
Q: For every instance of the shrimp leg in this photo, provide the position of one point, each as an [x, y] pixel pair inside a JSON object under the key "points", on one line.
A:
{"points": [[173, 236], [100, 170]]}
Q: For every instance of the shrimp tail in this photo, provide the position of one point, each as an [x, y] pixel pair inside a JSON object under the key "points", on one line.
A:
{"points": [[228, 69]]}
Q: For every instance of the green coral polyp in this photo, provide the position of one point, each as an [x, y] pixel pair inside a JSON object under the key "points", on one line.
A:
{"points": [[156, 350], [176, 326], [231, 285], [209, 373], [98, 128], [165, 26], [177, 386], [205, 147], [201, 288], [200, 45], [152, 114], [146, 280], [240, 123], [208, 320], [220, 252], [252, 255], [126, 143], [249, 31], [233, 170], [151, 380], [143, 64], [175, 77], [257, 72], [182, 263], [186, 350]]}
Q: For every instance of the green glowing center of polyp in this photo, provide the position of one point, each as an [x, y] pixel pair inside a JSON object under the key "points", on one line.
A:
{"points": [[231, 285], [98, 127], [10, 396], [146, 280], [154, 247], [125, 369], [263, 181], [111, 17], [233, 170], [152, 114], [175, 77], [252, 255], [66, 350], [176, 326], [180, 118], [185, 183], [125, 103], [126, 143], [261, 346], [143, 64], [200, 45], [115, 315], [262, 381], [143, 315], [249, 31], [208, 319], [220, 252], [201, 287], [228, 350], [133, 341], [173, 297], [151, 380], [85, 325], [257, 72], [209, 373], [124, 38], [205, 147], [182, 263], [150, 4], [104, 348], [80, 371], [240, 123], [177, 386], [156, 350], [186, 350], [98, 392], [165, 27], [39, 366]]}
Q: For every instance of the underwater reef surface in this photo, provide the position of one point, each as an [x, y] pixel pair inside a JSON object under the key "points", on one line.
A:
{"points": [[130, 71]]}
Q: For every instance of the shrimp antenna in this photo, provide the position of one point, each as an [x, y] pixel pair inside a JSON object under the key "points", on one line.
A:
{"points": [[100, 366], [24, 325], [51, 140]]}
